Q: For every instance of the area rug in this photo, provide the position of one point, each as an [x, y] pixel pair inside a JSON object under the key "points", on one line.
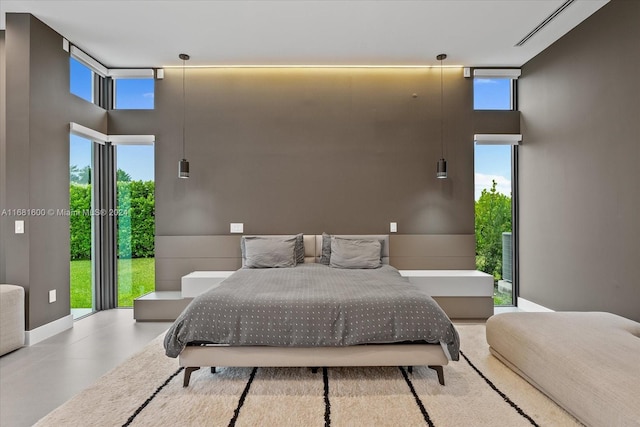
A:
{"points": [[146, 390]]}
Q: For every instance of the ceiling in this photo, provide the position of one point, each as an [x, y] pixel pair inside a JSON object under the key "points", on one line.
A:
{"points": [[143, 33]]}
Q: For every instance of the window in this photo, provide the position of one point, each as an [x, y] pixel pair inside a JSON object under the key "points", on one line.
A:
{"points": [[492, 93], [110, 88], [81, 79], [134, 94], [86, 77], [495, 89], [494, 217], [495, 189]]}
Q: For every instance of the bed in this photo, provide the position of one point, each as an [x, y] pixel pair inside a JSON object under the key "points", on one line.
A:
{"points": [[356, 311]]}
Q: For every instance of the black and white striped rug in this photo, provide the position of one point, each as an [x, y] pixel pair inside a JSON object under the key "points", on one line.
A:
{"points": [[147, 391]]}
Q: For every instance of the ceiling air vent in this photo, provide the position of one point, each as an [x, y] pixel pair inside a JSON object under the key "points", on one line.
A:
{"points": [[544, 23]]}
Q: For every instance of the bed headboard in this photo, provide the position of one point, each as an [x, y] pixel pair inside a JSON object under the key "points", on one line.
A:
{"points": [[177, 256], [310, 247]]}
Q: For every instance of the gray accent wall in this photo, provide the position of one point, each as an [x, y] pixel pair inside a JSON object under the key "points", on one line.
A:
{"points": [[3, 153], [580, 167], [39, 108], [310, 150], [491, 121]]}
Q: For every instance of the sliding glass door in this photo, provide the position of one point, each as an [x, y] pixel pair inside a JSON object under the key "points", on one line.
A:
{"points": [[136, 222], [81, 204]]}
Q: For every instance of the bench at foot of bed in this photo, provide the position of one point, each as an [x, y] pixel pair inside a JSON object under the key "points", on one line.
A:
{"points": [[587, 362]]}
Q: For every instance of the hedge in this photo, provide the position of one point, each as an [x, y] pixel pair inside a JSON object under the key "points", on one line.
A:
{"points": [[136, 219], [79, 203]]}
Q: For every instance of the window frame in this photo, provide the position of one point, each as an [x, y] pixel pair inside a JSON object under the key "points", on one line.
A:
{"points": [[104, 79], [514, 140]]}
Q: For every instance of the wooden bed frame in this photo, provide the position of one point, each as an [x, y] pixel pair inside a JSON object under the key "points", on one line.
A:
{"points": [[193, 358]]}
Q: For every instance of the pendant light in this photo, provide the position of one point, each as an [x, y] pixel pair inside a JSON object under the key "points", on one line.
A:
{"points": [[183, 165], [441, 170]]}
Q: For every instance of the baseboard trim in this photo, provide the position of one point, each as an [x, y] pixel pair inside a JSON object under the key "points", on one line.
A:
{"points": [[48, 330], [526, 305]]}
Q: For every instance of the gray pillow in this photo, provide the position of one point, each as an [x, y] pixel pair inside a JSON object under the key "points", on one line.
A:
{"points": [[325, 256], [299, 247], [270, 252], [355, 253]]}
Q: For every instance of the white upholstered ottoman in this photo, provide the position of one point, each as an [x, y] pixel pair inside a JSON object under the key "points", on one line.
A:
{"points": [[11, 318], [587, 362]]}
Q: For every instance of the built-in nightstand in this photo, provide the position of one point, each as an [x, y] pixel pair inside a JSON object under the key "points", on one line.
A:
{"points": [[167, 305], [462, 294], [197, 282]]}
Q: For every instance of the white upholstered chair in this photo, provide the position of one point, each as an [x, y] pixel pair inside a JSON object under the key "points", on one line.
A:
{"points": [[11, 318]]}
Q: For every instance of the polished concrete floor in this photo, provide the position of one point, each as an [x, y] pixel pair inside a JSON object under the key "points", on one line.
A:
{"points": [[35, 380]]}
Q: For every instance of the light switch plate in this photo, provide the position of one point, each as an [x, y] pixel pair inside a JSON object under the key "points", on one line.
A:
{"points": [[19, 226], [237, 227], [393, 227], [52, 296]]}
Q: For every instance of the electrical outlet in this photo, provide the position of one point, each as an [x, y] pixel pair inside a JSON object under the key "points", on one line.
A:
{"points": [[52, 296], [19, 226], [393, 227], [237, 227]]}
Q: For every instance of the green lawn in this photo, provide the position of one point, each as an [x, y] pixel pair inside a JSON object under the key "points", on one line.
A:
{"points": [[135, 277]]}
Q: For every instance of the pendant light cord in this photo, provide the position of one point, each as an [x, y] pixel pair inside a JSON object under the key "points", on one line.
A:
{"points": [[441, 111], [184, 114]]}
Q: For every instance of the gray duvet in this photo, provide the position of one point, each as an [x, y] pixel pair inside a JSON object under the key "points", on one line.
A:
{"points": [[313, 305]]}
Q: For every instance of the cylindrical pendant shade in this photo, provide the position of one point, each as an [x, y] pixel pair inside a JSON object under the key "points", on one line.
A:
{"points": [[183, 169], [442, 169]]}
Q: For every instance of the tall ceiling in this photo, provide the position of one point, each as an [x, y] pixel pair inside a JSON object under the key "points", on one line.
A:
{"points": [[144, 33]]}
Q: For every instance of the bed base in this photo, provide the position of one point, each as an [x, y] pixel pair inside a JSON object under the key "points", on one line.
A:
{"points": [[193, 358], [190, 369]]}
